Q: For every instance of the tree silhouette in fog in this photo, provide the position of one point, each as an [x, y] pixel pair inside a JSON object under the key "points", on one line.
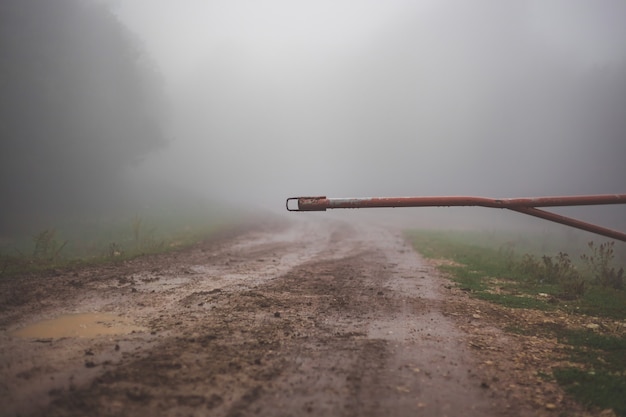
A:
{"points": [[79, 104]]}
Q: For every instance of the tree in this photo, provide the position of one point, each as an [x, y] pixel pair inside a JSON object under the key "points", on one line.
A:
{"points": [[79, 103]]}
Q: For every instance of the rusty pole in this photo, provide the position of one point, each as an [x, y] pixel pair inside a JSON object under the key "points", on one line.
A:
{"points": [[521, 205]]}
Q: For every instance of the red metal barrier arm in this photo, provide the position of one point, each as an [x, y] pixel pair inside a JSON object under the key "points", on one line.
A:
{"points": [[521, 205], [569, 221]]}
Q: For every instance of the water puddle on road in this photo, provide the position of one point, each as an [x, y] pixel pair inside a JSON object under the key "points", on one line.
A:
{"points": [[79, 325]]}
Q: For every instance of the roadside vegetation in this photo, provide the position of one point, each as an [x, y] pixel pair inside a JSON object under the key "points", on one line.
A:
{"points": [[110, 240], [584, 281]]}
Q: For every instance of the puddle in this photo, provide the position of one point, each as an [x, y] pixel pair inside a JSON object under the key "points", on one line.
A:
{"points": [[79, 325]]}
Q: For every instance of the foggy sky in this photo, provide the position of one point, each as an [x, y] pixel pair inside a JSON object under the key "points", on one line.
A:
{"points": [[282, 98]]}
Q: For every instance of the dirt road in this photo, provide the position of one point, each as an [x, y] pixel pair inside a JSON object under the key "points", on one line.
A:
{"points": [[314, 317]]}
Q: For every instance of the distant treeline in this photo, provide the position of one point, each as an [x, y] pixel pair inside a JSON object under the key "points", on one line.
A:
{"points": [[79, 103]]}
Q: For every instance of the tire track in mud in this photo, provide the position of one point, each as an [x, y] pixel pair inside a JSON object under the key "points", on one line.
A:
{"points": [[321, 318]]}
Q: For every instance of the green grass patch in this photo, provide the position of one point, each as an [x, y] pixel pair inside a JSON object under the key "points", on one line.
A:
{"points": [[595, 349], [499, 273], [605, 302], [585, 284], [514, 301], [99, 240], [601, 379], [595, 388], [477, 267]]}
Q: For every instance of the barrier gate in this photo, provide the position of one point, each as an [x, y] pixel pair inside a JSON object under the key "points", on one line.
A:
{"points": [[521, 205]]}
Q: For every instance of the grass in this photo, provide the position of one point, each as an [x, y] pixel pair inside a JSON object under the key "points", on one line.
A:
{"points": [[489, 268], [595, 388], [602, 381], [111, 240], [604, 302], [478, 268]]}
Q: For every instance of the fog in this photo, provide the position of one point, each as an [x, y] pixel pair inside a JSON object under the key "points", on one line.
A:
{"points": [[281, 98], [274, 99]]}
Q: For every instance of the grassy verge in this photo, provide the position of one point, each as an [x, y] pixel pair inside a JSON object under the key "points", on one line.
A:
{"points": [[490, 268], [110, 240]]}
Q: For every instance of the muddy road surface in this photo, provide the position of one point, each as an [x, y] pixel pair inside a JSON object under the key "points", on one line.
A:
{"points": [[311, 317]]}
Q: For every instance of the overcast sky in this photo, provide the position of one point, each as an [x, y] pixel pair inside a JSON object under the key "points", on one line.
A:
{"points": [[280, 98]]}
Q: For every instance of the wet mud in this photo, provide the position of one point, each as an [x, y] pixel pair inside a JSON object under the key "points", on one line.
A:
{"points": [[78, 325], [311, 317]]}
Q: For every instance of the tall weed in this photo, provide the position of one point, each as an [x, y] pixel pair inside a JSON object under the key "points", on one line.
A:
{"points": [[46, 246], [599, 265]]}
